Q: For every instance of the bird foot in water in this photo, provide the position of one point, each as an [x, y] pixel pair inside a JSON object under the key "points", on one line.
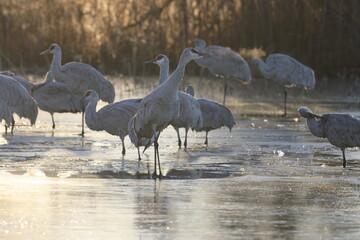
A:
{"points": [[155, 176]]}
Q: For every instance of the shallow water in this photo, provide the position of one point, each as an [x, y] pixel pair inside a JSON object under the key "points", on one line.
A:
{"points": [[268, 178]]}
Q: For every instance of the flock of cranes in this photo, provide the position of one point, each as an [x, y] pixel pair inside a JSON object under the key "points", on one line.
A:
{"points": [[77, 87]]}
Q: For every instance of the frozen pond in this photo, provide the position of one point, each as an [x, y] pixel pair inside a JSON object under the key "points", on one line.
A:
{"points": [[267, 179]]}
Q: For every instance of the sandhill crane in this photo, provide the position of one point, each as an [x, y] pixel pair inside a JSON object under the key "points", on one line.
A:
{"points": [[189, 113], [79, 78], [17, 99], [223, 62], [214, 115], [112, 118], [51, 96], [286, 70], [28, 85], [54, 97], [160, 107], [341, 130]]}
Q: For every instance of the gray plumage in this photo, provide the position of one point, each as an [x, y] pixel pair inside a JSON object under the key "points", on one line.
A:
{"points": [[5, 114], [341, 130], [17, 99], [28, 85], [112, 118], [189, 113], [54, 97], [159, 108], [223, 61], [214, 115], [78, 78], [287, 71]]}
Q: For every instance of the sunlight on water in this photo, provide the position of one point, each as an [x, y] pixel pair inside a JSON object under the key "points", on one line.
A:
{"points": [[3, 141]]}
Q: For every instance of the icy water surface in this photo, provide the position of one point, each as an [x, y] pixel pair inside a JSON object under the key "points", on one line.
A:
{"points": [[267, 179]]}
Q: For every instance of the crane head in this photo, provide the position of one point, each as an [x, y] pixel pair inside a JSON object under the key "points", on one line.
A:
{"points": [[198, 53], [90, 95], [160, 59], [54, 48], [190, 90], [307, 113]]}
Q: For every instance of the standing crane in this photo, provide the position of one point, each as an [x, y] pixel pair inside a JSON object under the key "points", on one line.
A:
{"points": [[214, 115], [161, 106], [54, 97], [190, 113], [18, 100], [51, 96], [112, 118], [287, 71], [341, 130], [78, 78], [223, 62]]}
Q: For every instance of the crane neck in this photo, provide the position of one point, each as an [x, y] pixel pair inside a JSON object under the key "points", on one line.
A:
{"points": [[56, 62], [164, 73], [263, 68], [316, 127], [173, 82], [91, 116]]}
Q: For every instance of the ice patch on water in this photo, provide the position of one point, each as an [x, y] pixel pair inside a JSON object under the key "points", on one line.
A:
{"points": [[279, 153], [35, 173]]}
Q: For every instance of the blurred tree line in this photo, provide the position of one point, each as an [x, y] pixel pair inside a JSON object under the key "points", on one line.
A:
{"points": [[117, 36]]}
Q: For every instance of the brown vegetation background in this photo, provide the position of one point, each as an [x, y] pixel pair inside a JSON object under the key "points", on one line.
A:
{"points": [[117, 36]]}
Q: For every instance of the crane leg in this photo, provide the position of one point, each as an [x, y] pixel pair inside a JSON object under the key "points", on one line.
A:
{"points": [[285, 95], [179, 139], [225, 91], [344, 159], [185, 142], [156, 156], [6, 127], [12, 125], [53, 121], [82, 123], [123, 147], [138, 148], [206, 138]]}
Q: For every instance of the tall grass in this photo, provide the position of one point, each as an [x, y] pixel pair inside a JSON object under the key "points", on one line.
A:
{"points": [[119, 35]]}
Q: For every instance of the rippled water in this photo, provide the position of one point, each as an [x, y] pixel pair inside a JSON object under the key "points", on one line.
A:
{"points": [[267, 179]]}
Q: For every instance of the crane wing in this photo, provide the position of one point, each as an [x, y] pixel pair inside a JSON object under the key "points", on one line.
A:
{"points": [[55, 97], [225, 62], [342, 130], [215, 115], [80, 77], [5, 113], [116, 116], [290, 71], [17, 98]]}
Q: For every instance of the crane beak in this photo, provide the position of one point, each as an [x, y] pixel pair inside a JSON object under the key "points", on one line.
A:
{"points": [[151, 61], [202, 54], [45, 52]]}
